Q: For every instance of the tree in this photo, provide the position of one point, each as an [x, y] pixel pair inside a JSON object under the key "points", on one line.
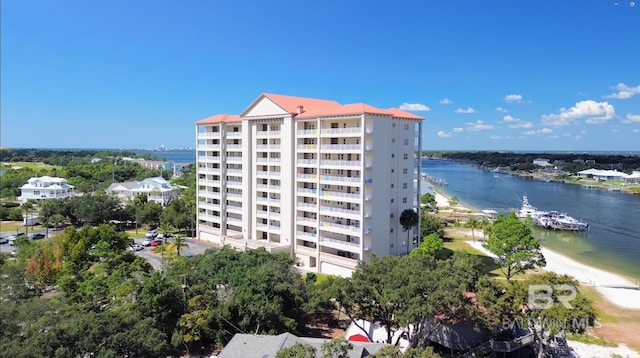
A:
{"points": [[485, 225], [453, 201], [297, 350], [179, 243], [473, 223], [409, 219], [27, 207], [430, 246], [512, 242], [336, 348], [428, 200]]}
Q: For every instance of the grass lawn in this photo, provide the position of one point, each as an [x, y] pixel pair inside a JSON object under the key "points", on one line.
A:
{"points": [[15, 226], [30, 165]]}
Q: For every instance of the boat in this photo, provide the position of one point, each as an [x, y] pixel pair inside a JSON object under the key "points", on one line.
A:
{"points": [[553, 220]]}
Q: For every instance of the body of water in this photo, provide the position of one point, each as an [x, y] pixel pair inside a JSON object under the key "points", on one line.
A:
{"points": [[613, 240], [177, 155]]}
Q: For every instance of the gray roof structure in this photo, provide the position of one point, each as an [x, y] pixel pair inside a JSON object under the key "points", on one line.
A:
{"points": [[266, 346]]}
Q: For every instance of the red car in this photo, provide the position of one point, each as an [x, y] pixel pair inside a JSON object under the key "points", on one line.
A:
{"points": [[156, 242]]}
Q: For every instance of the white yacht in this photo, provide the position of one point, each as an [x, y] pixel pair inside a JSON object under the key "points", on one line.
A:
{"points": [[550, 219]]}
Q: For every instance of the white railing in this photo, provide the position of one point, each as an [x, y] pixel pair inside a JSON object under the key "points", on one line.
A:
{"points": [[302, 219], [308, 161], [324, 240], [209, 182], [208, 158], [234, 171], [307, 191], [350, 147], [205, 135], [307, 176], [339, 194], [231, 219], [301, 204], [209, 170], [234, 195], [208, 147], [209, 206], [333, 210], [268, 133], [307, 146], [350, 130], [343, 163], [208, 217], [262, 173], [233, 134], [308, 132], [262, 160], [234, 147], [340, 179], [308, 236], [233, 158], [327, 224], [234, 207]]}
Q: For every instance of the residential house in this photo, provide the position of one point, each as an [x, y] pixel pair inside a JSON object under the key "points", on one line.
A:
{"points": [[265, 346], [542, 162], [45, 188], [156, 189], [303, 176]]}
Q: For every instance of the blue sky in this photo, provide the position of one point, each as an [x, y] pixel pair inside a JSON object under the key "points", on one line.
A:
{"points": [[486, 75]]}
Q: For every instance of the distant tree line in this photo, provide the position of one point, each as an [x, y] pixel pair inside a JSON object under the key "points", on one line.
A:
{"points": [[524, 161]]}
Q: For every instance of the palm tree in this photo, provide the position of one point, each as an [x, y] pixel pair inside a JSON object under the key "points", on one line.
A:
{"points": [[409, 219], [179, 243], [27, 207], [473, 223], [485, 225], [165, 228], [56, 220]]}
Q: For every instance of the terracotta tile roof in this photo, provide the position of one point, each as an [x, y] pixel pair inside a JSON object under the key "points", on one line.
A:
{"points": [[359, 108], [399, 113], [220, 118], [291, 104]]}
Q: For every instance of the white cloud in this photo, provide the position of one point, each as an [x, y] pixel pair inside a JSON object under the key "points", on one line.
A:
{"points": [[508, 118], [458, 130], [521, 125], [501, 110], [513, 98], [636, 130], [478, 126], [446, 101], [468, 110], [624, 91], [594, 112], [541, 131], [496, 137], [632, 118], [417, 107], [443, 134]]}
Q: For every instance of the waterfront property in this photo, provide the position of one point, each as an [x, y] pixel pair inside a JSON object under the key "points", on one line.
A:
{"points": [[45, 188], [156, 189], [303, 176]]}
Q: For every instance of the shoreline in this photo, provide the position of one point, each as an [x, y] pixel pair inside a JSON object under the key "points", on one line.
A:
{"points": [[614, 287]]}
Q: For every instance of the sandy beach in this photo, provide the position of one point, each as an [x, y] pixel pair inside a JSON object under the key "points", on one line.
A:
{"points": [[613, 287]]}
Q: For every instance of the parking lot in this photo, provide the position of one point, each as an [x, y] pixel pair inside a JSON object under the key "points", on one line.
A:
{"points": [[195, 247]]}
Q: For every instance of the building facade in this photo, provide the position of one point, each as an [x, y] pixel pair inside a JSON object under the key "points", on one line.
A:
{"points": [[45, 188], [322, 181]]}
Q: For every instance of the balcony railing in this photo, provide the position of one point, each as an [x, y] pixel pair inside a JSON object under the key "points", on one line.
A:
{"points": [[341, 179], [234, 195], [234, 171], [237, 208], [300, 204], [350, 130], [234, 147], [234, 158], [307, 191], [328, 224], [209, 170], [308, 132], [324, 240], [307, 147], [209, 182], [233, 134], [205, 135], [304, 220], [342, 163], [268, 133], [232, 220], [208, 147], [307, 176], [342, 147], [309, 236], [209, 206], [333, 210], [339, 194], [308, 161]]}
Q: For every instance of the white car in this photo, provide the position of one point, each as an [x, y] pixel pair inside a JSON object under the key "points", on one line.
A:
{"points": [[4, 240], [136, 247], [147, 241]]}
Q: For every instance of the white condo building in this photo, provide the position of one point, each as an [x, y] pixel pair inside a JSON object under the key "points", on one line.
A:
{"points": [[322, 181]]}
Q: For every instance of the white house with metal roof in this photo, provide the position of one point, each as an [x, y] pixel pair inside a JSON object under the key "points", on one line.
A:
{"points": [[156, 189], [45, 188]]}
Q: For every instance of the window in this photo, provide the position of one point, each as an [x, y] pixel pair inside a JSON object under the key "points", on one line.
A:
{"points": [[391, 215], [404, 185], [405, 156], [393, 125], [391, 231], [406, 127], [393, 140], [406, 142], [393, 171], [404, 200], [404, 171], [391, 200], [391, 185], [393, 155]]}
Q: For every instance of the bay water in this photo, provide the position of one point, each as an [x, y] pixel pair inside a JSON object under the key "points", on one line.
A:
{"points": [[612, 242]]}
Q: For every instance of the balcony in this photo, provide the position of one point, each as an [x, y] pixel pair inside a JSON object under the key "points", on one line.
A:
{"points": [[212, 171], [232, 195], [234, 159], [306, 221], [209, 159], [267, 147], [208, 135], [306, 191], [343, 131], [307, 147], [234, 221], [340, 179], [307, 132], [232, 134], [209, 194], [268, 133], [338, 194], [327, 225], [306, 206], [342, 163], [234, 208], [209, 206], [307, 177], [209, 218], [234, 147], [307, 236], [334, 211], [338, 260], [342, 147], [209, 182], [307, 162], [208, 147], [231, 171], [305, 250], [339, 244]]}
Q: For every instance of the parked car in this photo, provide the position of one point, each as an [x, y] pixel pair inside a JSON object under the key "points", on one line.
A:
{"points": [[136, 247], [151, 234], [147, 241], [36, 236], [13, 237], [4, 240], [156, 242]]}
